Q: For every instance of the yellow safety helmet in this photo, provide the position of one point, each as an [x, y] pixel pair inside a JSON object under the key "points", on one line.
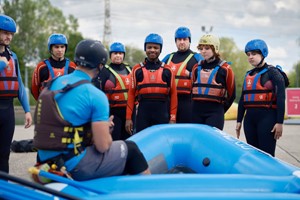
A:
{"points": [[209, 39]]}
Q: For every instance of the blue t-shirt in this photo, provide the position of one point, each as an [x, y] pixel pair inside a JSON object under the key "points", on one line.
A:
{"points": [[82, 104]]}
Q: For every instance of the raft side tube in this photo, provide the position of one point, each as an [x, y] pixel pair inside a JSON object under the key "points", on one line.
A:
{"points": [[170, 145]]}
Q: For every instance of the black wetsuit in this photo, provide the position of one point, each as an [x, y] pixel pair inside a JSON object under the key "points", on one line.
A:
{"points": [[152, 111], [7, 129], [259, 121], [184, 109], [209, 112], [119, 132]]}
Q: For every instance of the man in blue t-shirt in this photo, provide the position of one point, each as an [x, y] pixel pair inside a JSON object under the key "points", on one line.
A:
{"points": [[77, 134]]}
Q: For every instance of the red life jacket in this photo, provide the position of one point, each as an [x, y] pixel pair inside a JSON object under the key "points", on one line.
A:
{"points": [[118, 95], [9, 85], [206, 88], [152, 86], [55, 72], [182, 75], [256, 95]]}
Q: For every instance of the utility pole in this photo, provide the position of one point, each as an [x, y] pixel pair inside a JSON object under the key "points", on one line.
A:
{"points": [[107, 27]]}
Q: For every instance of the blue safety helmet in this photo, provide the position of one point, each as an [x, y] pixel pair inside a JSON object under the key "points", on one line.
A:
{"points": [[154, 38], [183, 32], [117, 47], [257, 45], [90, 53], [7, 24], [57, 38]]}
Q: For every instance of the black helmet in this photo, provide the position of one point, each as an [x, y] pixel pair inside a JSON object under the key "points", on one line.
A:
{"points": [[90, 53]]}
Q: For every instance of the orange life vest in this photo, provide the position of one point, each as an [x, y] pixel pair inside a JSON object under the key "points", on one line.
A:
{"points": [[256, 95], [182, 75], [9, 85], [118, 95], [205, 88], [152, 86]]}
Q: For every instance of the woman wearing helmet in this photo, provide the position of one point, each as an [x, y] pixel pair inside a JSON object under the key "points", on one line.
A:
{"points": [[263, 97], [55, 65], [153, 85], [81, 137], [114, 81], [11, 86], [213, 90], [182, 62]]}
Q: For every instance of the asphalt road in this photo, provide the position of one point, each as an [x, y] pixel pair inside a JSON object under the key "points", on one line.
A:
{"points": [[288, 148]]}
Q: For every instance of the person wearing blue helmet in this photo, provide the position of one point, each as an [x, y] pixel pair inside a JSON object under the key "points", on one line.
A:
{"points": [[153, 85], [77, 135], [11, 86], [55, 65], [181, 62], [263, 97], [114, 81]]}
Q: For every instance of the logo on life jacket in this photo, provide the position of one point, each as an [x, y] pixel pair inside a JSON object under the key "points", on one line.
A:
{"points": [[127, 81], [152, 77], [249, 83], [173, 68]]}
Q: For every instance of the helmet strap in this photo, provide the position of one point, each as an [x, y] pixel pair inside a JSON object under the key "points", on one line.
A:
{"points": [[262, 60]]}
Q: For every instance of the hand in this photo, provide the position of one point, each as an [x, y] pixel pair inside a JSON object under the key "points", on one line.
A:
{"points": [[277, 130], [129, 126], [111, 124], [172, 122], [28, 120], [238, 129], [4, 59]]}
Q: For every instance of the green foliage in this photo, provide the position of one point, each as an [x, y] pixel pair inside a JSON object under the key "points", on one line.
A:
{"points": [[294, 76], [134, 55], [230, 52], [36, 20], [73, 39]]}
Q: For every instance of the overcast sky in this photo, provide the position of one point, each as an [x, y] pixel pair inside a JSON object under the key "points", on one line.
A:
{"points": [[275, 21]]}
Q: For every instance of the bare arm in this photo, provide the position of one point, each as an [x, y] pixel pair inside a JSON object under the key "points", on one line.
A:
{"points": [[101, 135]]}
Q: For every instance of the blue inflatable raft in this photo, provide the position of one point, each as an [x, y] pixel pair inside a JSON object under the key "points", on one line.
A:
{"points": [[190, 161]]}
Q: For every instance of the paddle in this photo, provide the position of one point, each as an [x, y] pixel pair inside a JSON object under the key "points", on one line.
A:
{"points": [[61, 179], [23, 182]]}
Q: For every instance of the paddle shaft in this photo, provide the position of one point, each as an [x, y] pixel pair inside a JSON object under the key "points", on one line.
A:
{"points": [[68, 181]]}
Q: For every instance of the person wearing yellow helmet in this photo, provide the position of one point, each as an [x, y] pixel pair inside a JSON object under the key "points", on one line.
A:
{"points": [[213, 90], [181, 62], [262, 99]]}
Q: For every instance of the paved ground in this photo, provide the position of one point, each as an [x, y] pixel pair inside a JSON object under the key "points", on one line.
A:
{"points": [[288, 148]]}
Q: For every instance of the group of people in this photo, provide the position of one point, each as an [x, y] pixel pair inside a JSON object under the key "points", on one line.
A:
{"points": [[84, 128]]}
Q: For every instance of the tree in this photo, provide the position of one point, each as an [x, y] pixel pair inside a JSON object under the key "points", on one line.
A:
{"points": [[294, 76], [238, 59], [134, 55], [36, 21]]}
